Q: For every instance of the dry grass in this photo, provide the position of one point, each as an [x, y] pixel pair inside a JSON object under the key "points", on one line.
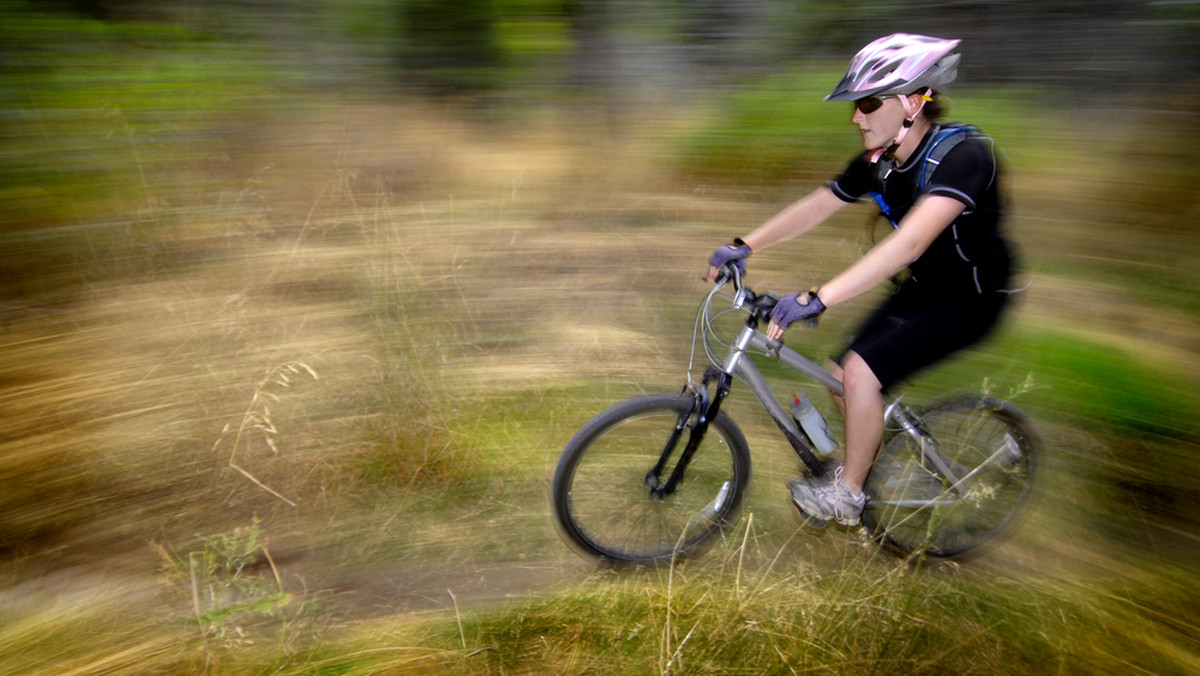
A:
{"points": [[466, 299]]}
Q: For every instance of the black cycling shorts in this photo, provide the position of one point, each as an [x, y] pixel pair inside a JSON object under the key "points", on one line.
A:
{"points": [[913, 330]]}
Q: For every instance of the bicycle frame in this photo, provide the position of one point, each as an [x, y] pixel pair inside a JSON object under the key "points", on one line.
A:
{"points": [[947, 479], [945, 482], [738, 365]]}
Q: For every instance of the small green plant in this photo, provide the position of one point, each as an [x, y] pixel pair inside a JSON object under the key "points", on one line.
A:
{"points": [[1014, 391], [232, 584]]}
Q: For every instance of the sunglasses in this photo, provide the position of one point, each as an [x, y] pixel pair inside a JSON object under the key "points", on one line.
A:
{"points": [[870, 104]]}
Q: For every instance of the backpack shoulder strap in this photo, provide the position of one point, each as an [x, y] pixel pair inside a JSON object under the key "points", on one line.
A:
{"points": [[944, 139], [948, 136]]}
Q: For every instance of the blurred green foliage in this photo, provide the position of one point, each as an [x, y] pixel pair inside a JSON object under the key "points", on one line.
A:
{"points": [[1089, 382], [100, 112], [779, 129], [451, 45], [775, 129], [122, 128]]}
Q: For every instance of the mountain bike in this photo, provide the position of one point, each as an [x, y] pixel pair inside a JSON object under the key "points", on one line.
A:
{"points": [[656, 477]]}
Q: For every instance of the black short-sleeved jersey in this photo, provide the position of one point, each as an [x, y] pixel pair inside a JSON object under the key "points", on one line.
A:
{"points": [[970, 255]]}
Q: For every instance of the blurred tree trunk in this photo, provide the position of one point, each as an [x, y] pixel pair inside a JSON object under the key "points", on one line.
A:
{"points": [[717, 30], [593, 56], [592, 74], [450, 46]]}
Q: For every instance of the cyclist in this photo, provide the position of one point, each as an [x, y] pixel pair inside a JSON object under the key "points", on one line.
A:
{"points": [[946, 235]]}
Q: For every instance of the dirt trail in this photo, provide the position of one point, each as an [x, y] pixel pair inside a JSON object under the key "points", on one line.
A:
{"points": [[388, 275]]}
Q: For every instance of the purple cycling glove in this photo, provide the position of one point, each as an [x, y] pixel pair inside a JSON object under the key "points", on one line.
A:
{"points": [[736, 252], [789, 309]]}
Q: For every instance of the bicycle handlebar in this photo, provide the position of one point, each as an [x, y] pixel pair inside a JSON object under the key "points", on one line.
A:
{"points": [[758, 305]]}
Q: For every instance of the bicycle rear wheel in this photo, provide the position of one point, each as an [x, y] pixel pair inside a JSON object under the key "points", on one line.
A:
{"points": [[602, 499], [973, 479]]}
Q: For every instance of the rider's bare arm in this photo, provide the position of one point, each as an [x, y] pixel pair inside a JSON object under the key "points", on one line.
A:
{"points": [[923, 223], [805, 214]]}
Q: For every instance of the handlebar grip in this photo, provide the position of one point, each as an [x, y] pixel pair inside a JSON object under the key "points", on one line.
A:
{"points": [[729, 273]]}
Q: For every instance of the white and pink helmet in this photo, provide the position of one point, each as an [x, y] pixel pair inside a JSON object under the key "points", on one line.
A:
{"points": [[898, 64]]}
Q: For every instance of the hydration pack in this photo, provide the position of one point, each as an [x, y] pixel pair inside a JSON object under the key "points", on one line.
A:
{"points": [[945, 137]]}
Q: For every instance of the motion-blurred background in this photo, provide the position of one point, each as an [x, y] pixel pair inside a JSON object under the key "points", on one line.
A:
{"points": [[300, 299]]}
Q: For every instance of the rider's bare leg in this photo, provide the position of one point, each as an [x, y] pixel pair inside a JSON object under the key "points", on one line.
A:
{"points": [[838, 400], [864, 419]]}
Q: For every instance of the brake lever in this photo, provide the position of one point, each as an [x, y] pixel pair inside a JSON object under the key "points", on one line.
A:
{"points": [[739, 298]]}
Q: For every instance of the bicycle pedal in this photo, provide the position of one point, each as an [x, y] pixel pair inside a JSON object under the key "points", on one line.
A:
{"points": [[812, 522], [815, 524]]}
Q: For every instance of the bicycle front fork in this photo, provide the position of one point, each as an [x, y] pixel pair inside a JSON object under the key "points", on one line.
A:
{"points": [[695, 422]]}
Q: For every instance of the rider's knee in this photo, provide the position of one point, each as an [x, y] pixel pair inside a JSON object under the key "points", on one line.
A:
{"points": [[858, 376]]}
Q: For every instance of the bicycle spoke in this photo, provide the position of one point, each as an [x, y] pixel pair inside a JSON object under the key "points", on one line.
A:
{"points": [[950, 495], [604, 502]]}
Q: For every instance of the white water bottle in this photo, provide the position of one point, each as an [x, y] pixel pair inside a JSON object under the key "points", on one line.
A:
{"points": [[813, 423]]}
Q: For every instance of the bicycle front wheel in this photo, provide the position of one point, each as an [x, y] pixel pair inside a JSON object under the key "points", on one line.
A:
{"points": [[603, 495], [960, 486]]}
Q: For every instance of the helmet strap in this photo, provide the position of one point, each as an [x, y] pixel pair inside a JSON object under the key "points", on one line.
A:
{"points": [[910, 116]]}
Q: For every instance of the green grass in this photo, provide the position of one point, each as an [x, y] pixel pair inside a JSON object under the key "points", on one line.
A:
{"points": [[775, 615], [873, 619], [1114, 387], [468, 297], [1080, 379]]}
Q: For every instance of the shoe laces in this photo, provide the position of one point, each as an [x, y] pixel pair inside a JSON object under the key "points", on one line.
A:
{"points": [[831, 490], [833, 493]]}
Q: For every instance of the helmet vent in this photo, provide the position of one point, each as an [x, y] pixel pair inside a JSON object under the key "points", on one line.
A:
{"points": [[898, 64]]}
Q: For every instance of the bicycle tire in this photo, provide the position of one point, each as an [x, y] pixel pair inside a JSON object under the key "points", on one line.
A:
{"points": [[991, 448], [602, 503]]}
